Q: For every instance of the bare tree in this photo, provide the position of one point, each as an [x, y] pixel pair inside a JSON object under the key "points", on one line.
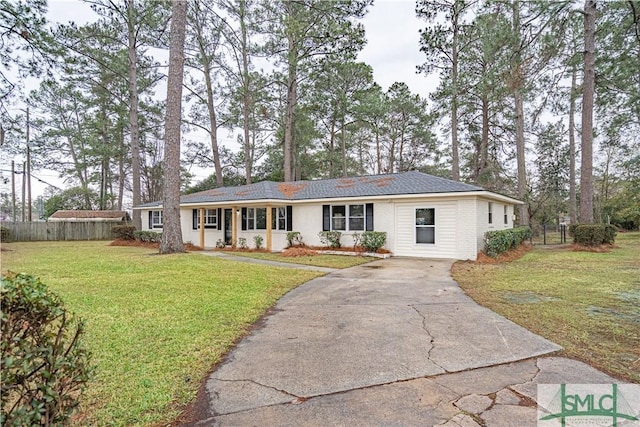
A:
{"points": [[172, 232]]}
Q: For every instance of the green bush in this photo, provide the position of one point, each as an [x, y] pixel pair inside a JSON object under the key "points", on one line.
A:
{"points": [[148, 236], [44, 366], [373, 240], [294, 238], [5, 234], [330, 238], [594, 234], [123, 232], [242, 243], [498, 242], [220, 244], [257, 240]]}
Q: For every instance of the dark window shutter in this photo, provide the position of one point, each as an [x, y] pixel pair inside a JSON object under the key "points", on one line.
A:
{"points": [[274, 219], [289, 218], [150, 220], [326, 217], [244, 218], [369, 217], [195, 219], [219, 218]]}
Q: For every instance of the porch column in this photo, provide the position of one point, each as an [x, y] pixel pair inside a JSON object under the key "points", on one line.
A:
{"points": [[269, 228], [234, 225], [201, 225]]}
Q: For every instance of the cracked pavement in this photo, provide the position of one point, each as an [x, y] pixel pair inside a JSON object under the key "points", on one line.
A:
{"points": [[392, 342]]}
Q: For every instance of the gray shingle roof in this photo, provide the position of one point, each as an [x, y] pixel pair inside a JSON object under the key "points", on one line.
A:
{"points": [[412, 182]]}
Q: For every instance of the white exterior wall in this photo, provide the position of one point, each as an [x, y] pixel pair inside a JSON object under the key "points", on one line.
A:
{"points": [[467, 243], [498, 219], [446, 233], [307, 219]]}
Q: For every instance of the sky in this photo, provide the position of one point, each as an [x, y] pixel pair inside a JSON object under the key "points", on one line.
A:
{"points": [[392, 50]]}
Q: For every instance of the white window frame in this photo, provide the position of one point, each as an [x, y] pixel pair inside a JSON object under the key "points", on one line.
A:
{"points": [[252, 219], [210, 221], [348, 217], [417, 226], [279, 218], [156, 219]]}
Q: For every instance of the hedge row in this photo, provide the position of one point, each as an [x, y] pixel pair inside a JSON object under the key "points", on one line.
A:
{"points": [[148, 236], [593, 234], [498, 242]]}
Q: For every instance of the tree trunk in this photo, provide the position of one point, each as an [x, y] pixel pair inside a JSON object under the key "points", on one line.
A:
{"points": [[121, 172], [213, 132], [133, 115], [378, 153], [343, 145], [289, 119], [246, 94], [588, 91], [171, 229], [455, 157], [483, 155], [518, 83], [572, 149], [332, 137]]}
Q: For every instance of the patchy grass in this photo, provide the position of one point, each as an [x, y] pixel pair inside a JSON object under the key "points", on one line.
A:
{"points": [[587, 302], [155, 323], [330, 261]]}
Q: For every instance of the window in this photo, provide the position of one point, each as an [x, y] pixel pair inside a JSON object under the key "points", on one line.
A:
{"points": [[256, 219], [425, 225], [356, 217], [338, 218], [354, 221], [156, 219], [506, 214], [279, 218], [347, 217], [210, 218], [490, 213]]}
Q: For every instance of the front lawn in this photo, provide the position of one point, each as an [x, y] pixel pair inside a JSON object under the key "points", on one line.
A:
{"points": [[330, 261], [586, 302], [155, 323]]}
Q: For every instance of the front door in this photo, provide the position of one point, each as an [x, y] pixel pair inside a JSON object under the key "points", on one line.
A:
{"points": [[228, 229]]}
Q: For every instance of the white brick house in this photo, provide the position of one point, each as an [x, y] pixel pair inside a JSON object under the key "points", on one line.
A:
{"points": [[423, 215]]}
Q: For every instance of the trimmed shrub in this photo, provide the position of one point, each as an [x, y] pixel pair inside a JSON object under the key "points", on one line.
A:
{"points": [[330, 238], [5, 234], [373, 240], [357, 239], [148, 236], [220, 244], [294, 238], [594, 234], [242, 243], [257, 240], [44, 365], [123, 232], [498, 242]]}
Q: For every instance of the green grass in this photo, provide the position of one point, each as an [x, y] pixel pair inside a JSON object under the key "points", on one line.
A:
{"points": [[587, 302], [155, 323], [330, 261]]}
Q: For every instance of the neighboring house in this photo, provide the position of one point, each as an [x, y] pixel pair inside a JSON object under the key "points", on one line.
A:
{"points": [[88, 216], [423, 215]]}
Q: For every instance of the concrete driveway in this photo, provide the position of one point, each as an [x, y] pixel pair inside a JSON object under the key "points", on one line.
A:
{"points": [[392, 342]]}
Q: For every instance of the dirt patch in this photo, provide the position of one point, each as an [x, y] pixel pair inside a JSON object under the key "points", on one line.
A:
{"points": [[232, 249], [508, 256], [597, 249], [298, 251], [358, 249]]}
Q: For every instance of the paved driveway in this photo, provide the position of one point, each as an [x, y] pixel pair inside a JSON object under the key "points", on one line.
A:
{"points": [[392, 342]]}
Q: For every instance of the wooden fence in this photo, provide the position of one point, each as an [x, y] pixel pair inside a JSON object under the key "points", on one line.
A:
{"points": [[38, 231]]}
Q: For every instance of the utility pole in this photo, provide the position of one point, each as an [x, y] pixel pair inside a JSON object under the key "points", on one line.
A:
{"points": [[13, 191], [24, 185], [28, 171]]}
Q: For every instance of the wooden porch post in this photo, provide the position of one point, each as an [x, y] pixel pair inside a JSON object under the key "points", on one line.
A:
{"points": [[201, 225], [269, 228], [234, 225]]}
